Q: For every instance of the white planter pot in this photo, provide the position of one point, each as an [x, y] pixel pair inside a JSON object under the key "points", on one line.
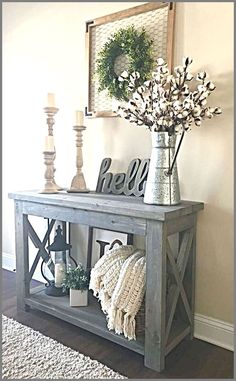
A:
{"points": [[78, 298]]}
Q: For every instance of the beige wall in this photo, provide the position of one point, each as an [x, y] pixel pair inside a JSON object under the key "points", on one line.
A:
{"points": [[43, 51]]}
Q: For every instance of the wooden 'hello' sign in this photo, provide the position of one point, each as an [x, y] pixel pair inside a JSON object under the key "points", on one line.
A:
{"points": [[130, 183]]}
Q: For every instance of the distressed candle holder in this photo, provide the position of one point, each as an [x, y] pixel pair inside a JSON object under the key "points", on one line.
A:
{"points": [[78, 184], [50, 186], [51, 112]]}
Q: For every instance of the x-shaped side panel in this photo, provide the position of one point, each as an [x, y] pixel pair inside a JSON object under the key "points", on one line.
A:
{"points": [[41, 246], [178, 268]]}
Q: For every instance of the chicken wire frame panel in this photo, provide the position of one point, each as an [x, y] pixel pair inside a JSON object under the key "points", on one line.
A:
{"points": [[158, 21]]}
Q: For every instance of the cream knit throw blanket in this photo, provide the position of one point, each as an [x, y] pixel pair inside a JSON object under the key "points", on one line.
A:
{"points": [[118, 280]]}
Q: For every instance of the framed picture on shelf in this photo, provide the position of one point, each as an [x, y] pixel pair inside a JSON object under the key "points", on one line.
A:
{"points": [[99, 240], [151, 24]]}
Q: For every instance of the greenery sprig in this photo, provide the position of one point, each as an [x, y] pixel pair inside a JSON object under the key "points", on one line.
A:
{"points": [[77, 279], [137, 46]]}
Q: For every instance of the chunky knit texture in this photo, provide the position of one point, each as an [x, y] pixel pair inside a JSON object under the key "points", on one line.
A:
{"points": [[105, 274], [118, 280]]}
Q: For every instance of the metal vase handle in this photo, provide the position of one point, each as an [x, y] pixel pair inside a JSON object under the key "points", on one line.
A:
{"points": [[169, 172]]}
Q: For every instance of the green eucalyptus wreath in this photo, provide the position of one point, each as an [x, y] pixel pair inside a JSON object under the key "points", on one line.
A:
{"points": [[137, 46]]}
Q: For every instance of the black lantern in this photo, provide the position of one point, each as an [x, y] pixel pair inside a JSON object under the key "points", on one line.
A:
{"points": [[62, 263]]}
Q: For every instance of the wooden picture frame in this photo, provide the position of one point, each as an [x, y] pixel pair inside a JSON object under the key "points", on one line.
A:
{"points": [[157, 15]]}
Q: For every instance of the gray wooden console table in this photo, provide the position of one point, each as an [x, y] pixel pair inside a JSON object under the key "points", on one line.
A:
{"points": [[170, 275]]}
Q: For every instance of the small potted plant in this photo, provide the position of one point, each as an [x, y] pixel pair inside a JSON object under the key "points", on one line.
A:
{"points": [[77, 281]]}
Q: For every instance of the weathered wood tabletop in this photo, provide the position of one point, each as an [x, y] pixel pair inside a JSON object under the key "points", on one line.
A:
{"points": [[100, 202]]}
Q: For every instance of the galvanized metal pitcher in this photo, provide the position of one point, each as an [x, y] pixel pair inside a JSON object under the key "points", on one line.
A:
{"points": [[162, 187]]}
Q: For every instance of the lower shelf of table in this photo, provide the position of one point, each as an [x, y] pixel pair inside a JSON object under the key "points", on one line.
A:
{"points": [[92, 319]]}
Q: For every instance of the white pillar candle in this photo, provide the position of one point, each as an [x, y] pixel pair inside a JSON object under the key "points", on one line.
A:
{"points": [[60, 272], [49, 144], [51, 100], [79, 118]]}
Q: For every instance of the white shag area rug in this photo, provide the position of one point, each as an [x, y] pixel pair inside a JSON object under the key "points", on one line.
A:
{"points": [[28, 354]]}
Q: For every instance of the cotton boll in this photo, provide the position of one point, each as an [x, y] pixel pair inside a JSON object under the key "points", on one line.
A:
{"points": [[160, 61], [187, 61], [204, 95], [201, 88], [201, 76], [156, 76], [164, 70], [177, 129], [132, 76], [211, 86], [140, 89], [125, 74], [122, 113], [196, 111], [131, 103], [179, 69], [186, 126], [151, 118], [169, 78], [160, 122], [189, 77], [133, 119], [175, 92], [217, 110], [147, 83], [120, 78], [176, 104], [188, 104], [163, 106], [209, 114], [185, 90], [136, 96]]}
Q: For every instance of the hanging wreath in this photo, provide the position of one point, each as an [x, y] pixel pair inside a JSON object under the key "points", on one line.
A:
{"points": [[137, 47]]}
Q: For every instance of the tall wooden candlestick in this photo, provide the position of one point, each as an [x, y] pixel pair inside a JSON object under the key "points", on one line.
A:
{"points": [[51, 112], [78, 184]]}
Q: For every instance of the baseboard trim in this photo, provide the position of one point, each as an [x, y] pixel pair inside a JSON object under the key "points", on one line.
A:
{"points": [[8, 261], [214, 331]]}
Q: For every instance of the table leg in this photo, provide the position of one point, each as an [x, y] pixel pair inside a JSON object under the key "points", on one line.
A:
{"points": [[192, 276], [154, 354], [22, 257]]}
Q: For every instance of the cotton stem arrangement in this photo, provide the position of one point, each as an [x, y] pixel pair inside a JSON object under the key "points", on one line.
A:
{"points": [[169, 102]]}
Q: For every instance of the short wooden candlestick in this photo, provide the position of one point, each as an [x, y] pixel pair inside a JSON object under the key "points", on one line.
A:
{"points": [[51, 112], [78, 184], [50, 186]]}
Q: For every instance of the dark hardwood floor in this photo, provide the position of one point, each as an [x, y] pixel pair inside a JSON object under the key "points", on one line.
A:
{"points": [[191, 359]]}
